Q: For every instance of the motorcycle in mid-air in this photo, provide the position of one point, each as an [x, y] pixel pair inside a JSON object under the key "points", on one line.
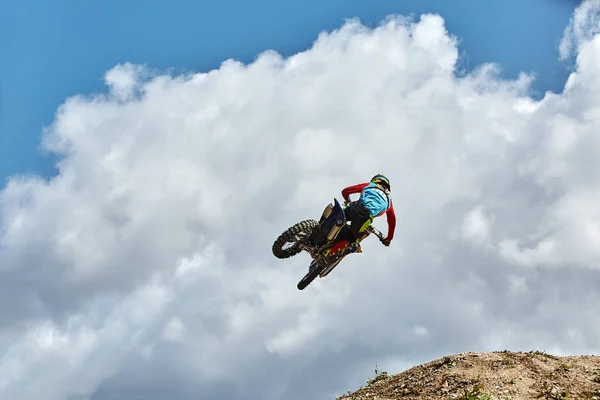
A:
{"points": [[321, 239]]}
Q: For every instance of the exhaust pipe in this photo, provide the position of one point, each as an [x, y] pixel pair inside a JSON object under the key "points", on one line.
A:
{"points": [[334, 231]]}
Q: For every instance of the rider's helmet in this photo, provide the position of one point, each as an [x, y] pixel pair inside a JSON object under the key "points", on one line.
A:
{"points": [[382, 181]]}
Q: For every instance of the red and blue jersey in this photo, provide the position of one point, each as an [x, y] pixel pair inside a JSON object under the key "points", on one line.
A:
{"points": [[376, 201]]}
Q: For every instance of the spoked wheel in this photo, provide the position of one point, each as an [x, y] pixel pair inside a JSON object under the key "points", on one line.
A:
{"points": [[314, 271], [325, 271], [286, 244]]}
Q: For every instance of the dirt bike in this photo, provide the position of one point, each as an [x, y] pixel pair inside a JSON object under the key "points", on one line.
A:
{"points": [[320, 240]]}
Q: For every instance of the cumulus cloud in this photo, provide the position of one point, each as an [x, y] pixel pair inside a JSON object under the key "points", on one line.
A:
{"points": [[144, 267], [583, 26]]}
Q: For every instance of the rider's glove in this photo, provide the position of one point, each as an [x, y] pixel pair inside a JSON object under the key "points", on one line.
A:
{"points": [[386, 242]]}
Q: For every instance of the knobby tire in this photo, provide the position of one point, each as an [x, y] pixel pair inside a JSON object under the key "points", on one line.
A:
{"points": [[304, 227], [310, 276]]}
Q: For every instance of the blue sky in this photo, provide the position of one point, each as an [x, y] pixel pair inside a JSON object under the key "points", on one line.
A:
{"points": [[52, 50]]}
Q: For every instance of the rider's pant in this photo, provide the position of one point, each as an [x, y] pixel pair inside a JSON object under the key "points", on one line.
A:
{"points": [[360, 219]]}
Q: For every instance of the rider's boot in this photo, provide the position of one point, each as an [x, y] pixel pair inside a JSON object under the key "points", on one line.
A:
{"points": [[353, 247]]}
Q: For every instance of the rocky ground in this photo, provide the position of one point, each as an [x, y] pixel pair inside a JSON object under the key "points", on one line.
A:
{"points": [[490, 376]]}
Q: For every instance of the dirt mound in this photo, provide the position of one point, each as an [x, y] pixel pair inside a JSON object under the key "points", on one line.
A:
{"points": [[490, 376]]}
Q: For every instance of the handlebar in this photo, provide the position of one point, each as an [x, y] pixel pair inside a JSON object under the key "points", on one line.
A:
{"points": [[376, 232]]}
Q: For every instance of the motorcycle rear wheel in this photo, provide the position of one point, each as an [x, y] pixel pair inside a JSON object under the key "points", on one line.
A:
{"points": [[294, 234]]}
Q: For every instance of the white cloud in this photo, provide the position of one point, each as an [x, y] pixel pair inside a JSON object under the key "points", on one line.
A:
{"points": [[584, 24], [122, 80], [476, 226], [173, 329], [145, 268]]}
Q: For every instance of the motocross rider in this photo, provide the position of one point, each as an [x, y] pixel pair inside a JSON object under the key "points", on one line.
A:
{"points": [[373, 202]]}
